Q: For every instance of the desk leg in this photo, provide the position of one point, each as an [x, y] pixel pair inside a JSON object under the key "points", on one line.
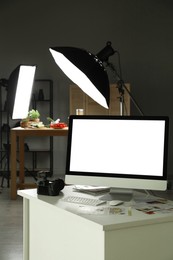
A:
{"points": [[26, 216], [21, 160], [13, 166]]}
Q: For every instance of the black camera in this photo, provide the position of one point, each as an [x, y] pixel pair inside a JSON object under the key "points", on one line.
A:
{"points": [[49, 187]]}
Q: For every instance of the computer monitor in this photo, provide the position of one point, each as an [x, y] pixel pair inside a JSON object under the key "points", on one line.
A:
{"points": [[127, 152]]}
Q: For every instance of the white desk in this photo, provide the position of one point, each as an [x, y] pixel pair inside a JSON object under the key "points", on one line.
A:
{"points": [[56, 230]]}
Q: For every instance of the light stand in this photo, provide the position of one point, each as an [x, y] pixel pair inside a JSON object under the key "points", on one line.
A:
{"points": [[19, 89], [122, 87], [104, 55]]}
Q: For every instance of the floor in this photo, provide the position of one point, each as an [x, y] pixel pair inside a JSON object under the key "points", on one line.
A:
{"points": [[11, 226]]}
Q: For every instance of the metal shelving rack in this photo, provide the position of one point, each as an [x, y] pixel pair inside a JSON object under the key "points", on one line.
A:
{"points": [[42, 100], [4, 135]]}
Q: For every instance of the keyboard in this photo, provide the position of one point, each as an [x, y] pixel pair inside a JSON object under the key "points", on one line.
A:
{"points": [[83, 200]]}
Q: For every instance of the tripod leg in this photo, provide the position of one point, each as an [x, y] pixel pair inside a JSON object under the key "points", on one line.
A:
{"points": [[3, 176], [2, 181], [31, 174]]}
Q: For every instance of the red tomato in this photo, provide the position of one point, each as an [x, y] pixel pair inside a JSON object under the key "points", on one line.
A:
{"points": [[58, 125]]}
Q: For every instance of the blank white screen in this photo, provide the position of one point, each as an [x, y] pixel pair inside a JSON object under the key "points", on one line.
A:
{"points": [[134, 147]]}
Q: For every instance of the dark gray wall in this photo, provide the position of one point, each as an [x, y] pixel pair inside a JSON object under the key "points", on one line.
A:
{"points": [[140, 30]]}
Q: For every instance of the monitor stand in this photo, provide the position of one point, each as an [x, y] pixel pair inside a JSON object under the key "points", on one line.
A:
{"points": [[118, 194]]}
